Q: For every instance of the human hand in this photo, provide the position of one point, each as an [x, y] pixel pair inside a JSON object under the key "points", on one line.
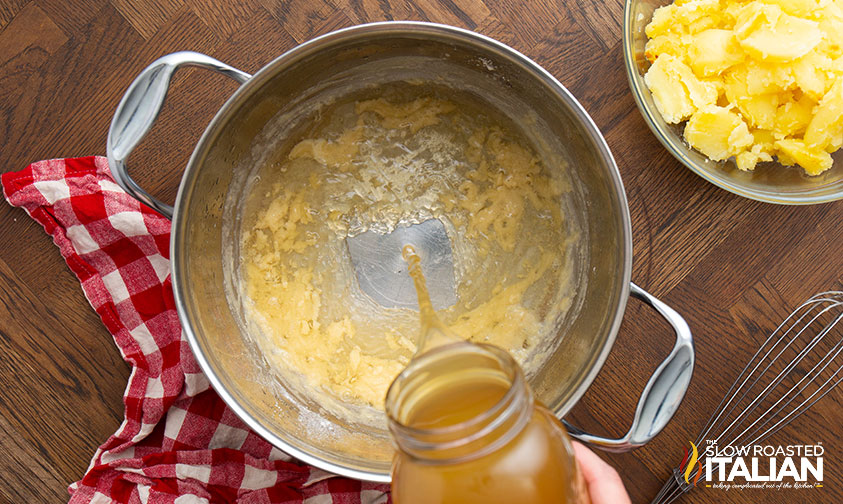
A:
{"points": [[603, 483]]}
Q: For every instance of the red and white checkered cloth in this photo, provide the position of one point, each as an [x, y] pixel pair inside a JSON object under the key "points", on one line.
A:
{"points": [[179, 442]]}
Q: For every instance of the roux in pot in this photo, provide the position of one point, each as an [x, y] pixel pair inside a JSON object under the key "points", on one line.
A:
{"points": [[408, 154]]}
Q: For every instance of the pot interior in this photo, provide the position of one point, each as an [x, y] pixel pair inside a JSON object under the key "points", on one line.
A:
{"points": [[273, 109]]}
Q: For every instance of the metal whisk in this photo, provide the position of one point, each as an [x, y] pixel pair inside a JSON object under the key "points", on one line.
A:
{"points": [[797, 365]]}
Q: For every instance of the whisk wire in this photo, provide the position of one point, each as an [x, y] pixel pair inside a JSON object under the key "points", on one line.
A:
{"points": [[742, 378], [814, 374], [781, 381], [779, 377]]}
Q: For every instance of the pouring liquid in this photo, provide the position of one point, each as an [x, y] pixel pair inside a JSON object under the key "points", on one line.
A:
{"points": [[467, 427]]}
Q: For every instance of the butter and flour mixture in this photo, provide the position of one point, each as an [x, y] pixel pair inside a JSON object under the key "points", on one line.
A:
{"points": [[408, 154]]}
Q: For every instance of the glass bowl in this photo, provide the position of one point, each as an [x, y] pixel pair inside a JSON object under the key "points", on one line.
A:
{"points": [[769, 182]]}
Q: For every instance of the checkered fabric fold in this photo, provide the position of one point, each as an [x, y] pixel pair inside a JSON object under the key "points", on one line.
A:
{"points": [[179, 442]]}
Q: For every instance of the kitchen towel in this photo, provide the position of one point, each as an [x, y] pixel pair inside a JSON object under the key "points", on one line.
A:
{"points": [[179, 442]]}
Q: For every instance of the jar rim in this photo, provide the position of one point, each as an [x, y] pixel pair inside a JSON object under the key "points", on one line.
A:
{"points": [[474, 428]]}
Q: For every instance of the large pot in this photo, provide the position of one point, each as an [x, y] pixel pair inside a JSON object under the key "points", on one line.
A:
{"points": [[213, 181]]}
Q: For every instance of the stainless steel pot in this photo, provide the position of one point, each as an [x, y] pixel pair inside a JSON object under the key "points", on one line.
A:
{"points": [[365, 54]]}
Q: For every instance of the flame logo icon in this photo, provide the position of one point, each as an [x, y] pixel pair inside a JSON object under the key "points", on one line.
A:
{"points": [[689, 465]]}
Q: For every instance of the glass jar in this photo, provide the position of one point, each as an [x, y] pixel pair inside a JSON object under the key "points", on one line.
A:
{"points": [[468, 430]]}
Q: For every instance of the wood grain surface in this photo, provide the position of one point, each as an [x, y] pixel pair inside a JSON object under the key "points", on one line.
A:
{"points": [[733, 267]]}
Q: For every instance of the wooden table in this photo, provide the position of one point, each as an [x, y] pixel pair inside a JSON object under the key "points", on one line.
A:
{"points": [[733, 267]]}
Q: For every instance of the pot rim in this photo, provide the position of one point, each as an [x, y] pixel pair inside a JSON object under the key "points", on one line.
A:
{"points": [[267, 72]]}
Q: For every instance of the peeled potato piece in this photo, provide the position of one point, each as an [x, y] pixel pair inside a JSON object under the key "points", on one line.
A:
{"points": [[678, 93], [828, 119], [713, 51], [774, 69], [768, 34], [717, 132], [812, 160]]}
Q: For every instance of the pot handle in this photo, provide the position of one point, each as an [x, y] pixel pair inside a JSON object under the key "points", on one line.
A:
{"points": [[664, 391], [138, 110]]}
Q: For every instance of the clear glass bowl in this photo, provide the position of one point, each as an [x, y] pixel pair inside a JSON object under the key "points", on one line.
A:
{"points": [[770, 182]]}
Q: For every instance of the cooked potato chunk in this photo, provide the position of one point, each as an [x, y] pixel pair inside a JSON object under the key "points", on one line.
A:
{"points": [[753, 78], [718, 132]]}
